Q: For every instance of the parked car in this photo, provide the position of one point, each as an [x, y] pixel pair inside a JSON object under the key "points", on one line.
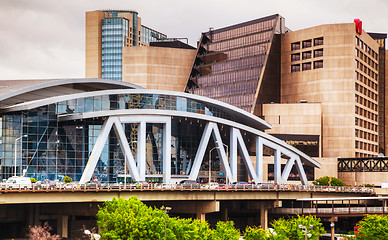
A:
{"points": [[211, 185], [166, 186], [189, 184], [242, 185], [225, 186], [265, 186], [16, 182]]}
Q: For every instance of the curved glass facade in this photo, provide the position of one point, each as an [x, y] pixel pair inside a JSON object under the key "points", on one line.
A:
{"points": [[138, 101], [53, 149]]}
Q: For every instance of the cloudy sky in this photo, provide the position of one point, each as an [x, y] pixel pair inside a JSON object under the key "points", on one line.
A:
{"points": [[45, 38]]}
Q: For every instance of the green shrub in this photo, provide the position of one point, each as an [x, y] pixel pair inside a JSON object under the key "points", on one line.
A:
{"points": [[67, 179], [325, 181], [255, 233]]}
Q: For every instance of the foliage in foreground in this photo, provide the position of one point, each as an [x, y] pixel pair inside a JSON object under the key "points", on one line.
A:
{"points": [[131, 219], [41, 233], [325, 181], [289, 229], [67, 179], [373, 227]]}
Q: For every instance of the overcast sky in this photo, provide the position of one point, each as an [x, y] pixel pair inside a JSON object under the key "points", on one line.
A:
{"points": [[45, 38]]}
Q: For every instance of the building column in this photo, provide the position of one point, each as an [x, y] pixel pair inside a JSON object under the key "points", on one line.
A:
{"points": [[63, 226], [224, 214], [264, 217], [201, 216]]}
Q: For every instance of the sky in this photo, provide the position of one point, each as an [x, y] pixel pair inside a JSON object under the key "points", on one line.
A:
{"points": [[41, 39]]}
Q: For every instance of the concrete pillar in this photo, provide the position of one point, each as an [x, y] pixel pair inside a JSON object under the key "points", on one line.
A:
{"points": [[201, 216], [36, 216], [30, 217], [264, 217], [224, 214], [63, 226]]}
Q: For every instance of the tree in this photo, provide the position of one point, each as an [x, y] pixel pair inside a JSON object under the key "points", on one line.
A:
{"points": [[225, 231], [328, 181], [41, 233], [130, 219], [373, 227], [67, 179], [255, 233], [290, 229]]}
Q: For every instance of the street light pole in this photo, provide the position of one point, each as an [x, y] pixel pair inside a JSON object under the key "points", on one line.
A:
{"points": [[210, 163], [16, 140], [165, 209]]}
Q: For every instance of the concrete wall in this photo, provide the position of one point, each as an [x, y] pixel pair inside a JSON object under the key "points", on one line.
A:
{"points": [[158, 67], [333, 85]]}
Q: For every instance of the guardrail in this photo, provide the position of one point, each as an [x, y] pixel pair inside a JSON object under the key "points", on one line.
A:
{"points": [[336, 210], [178, 187]]}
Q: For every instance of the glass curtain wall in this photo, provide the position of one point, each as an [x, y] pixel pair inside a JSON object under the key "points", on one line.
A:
{"points": [[54, 149], [114, 34], [230, 62]]}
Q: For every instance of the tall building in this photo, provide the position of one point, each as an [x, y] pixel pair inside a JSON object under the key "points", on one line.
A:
{"points": [[239, 64], [107, 32], [322, 88]]}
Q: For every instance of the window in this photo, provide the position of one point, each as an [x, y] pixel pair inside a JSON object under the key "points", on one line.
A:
{"points": [[318, 41], [306, 55], [306, 66], [295, 46], [318, 64], [295, 57], [295, 68], [306, 43], [318, 52]]}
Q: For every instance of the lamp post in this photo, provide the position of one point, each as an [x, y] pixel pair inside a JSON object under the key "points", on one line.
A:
{"points": [[165, 209], [125, 166], [210, 163], [304, 228], [16, 140]]}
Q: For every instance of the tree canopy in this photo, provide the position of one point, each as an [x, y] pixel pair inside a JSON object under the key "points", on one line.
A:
{"points": [[329, 181], [373, 227]]}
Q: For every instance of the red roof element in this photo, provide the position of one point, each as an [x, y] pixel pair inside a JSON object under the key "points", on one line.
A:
{"points": [[358, 25]]}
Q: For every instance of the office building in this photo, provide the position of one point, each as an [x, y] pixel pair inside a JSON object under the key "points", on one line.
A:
{"points": [[322, 88], [107, 32]]}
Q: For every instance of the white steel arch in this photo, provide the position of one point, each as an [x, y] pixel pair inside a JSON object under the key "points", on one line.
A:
{"points": [[137, 170]]}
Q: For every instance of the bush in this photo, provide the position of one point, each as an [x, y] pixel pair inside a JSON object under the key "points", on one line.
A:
{"points": [[132, 219], [325, 181], [255, 233], [67, 179], [289, 229], [33, 180], [373, 227]]}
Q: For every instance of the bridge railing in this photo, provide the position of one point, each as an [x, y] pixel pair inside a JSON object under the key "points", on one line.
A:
{"points": [[144, 186]]}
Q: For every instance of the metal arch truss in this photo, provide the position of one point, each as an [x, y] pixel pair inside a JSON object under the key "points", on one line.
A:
{"points": [[138, 171]]}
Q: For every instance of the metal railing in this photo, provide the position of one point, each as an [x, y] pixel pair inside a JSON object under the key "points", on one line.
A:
{"points": [[55, 186]]}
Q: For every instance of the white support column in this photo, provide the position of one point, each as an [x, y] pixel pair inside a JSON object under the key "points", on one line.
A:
{"points": [[244, 153], [167, 152], [232, 176], [141, 149], [97, 150], [287, 169], [200, 152], [277, 167], [233, 153], [133, 170], [301, 171], [259, 159]]}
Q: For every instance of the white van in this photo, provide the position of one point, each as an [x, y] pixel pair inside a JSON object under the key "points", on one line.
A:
{"points": [[16, 182]]}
